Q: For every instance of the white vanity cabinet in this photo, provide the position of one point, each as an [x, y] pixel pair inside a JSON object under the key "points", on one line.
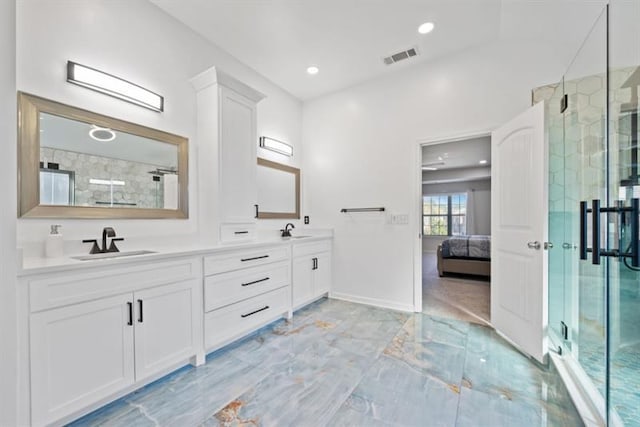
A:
{"points": [[227, 139], [245, 289], [97, 334], [72, 365], [311, 272]]}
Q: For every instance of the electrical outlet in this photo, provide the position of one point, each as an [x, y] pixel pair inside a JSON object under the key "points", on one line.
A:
{"points": [[306, 219]]}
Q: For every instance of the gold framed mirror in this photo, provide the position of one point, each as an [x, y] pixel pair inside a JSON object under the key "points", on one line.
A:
{"points": [[278, 190], [75, 163]]}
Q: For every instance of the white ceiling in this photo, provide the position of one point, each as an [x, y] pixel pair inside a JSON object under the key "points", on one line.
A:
{"points": [[347, 39], [458, 154]]}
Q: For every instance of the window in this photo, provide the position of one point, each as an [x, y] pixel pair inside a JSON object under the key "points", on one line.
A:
{"points": [[444, 215], [56, 187]]}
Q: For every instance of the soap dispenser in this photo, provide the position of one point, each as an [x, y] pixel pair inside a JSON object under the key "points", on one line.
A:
{"points": [[54, 246]]}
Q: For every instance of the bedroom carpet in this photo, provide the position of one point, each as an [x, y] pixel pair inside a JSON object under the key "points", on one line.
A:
{"points": [[454, 297]]}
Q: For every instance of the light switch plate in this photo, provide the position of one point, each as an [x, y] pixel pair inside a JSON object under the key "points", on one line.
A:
{"points": [[399, 219]]}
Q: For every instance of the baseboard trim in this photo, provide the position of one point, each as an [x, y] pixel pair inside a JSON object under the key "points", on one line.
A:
{"points": [[372, 301]]}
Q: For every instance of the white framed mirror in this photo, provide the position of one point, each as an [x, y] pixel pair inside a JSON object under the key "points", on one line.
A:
{"points": [[278, 190], [79, 164]]}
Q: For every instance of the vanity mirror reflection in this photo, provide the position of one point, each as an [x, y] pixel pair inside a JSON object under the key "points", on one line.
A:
{"points": [[278, 190], [78, 164]]}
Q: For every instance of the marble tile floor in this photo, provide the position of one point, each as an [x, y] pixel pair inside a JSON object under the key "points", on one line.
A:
{"points": [[459, 297], [344, 364]]}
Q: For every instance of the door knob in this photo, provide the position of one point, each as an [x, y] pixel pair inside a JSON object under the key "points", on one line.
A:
{"points": [[534, 245], [548, 245]]}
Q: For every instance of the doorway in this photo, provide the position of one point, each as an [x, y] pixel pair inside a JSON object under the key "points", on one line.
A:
{"points": [[456, 228]]}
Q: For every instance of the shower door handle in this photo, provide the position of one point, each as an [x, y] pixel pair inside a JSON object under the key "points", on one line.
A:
{"points": [[635, 233], [583, 230], [595, 249], [595, 232]]}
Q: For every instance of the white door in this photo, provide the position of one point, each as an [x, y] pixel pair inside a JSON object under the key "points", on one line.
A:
{"points": [[79, 355], [519, 228], [164, 319]]}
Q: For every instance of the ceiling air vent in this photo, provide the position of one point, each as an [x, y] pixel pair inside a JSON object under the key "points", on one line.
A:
{"points": [[396, 57]]}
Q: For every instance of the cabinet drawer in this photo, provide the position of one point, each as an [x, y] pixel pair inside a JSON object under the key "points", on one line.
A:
{"points": [[300, 249], [237, 259], [59, 289], [237, 232], [228, 288], [232, 321]]}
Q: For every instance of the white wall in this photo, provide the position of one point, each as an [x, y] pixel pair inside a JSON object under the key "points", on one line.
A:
{"points": [[481, 210], [8, 328], [361, 150], [137, 41]]}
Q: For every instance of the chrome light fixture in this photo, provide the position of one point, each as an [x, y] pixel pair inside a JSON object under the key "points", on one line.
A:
{"points": [[108, 84], [276, 146]]}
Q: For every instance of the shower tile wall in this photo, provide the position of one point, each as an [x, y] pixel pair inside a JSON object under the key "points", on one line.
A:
{"points": [[139, 189]]}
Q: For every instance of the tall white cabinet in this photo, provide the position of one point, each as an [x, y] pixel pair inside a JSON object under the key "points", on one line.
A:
{"points": [[227, 141]]}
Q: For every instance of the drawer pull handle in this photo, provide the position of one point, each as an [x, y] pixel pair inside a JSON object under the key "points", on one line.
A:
{"points": [[241, 232], [266, 307], [140, 318], [254, 258], [255, 281]]}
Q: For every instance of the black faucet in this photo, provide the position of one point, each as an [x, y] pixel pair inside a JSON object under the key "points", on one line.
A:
{"points": [[106, 233], [287, 231]]}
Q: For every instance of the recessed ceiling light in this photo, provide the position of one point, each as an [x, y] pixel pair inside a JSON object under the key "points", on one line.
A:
{"points": [[426, 28], [313, 70], [483, 162], [102, 134]]}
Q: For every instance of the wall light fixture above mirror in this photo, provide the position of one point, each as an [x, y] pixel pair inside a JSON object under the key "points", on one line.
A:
{"points": [[108, 84], [276, 146], [75, 163]]}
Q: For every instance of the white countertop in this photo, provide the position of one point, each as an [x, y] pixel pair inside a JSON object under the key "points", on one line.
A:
{"points": [[40, 265]]}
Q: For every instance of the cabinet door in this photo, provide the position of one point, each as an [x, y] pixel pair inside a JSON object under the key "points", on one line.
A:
{"points": [[302, 285], [79, 355], [164, 326], [238, 193], [322, 274]]}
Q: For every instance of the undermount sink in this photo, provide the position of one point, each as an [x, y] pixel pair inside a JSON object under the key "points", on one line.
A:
{"points": [[110, 255], [296, 237]]}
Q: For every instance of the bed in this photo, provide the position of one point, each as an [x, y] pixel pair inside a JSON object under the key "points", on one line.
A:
{"points": [[465, 255]]}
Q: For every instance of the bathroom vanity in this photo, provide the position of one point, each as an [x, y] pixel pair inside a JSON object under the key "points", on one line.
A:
{"points": [[94, 327], [93, 331]]}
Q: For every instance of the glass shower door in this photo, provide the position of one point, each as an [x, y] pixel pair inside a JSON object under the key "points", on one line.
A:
{"points": [[624, 176], [558, 292], [578, 155], [586, 155]]}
